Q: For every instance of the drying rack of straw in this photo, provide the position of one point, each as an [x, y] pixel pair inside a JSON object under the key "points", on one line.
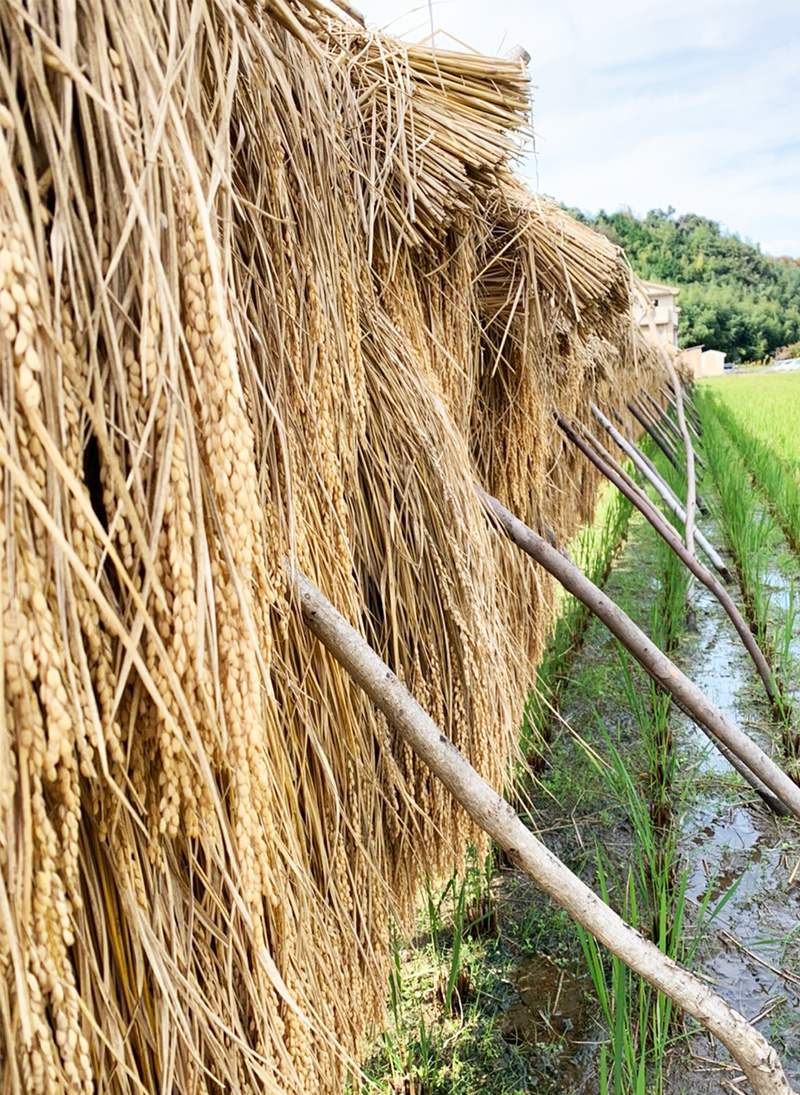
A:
{"points": [[268, 285]]}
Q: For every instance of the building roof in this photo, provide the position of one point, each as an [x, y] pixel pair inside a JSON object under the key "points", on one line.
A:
{"points": [[655, 287]]}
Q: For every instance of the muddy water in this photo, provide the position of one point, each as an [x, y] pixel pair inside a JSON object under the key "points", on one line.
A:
{"points": [[732, 845]]}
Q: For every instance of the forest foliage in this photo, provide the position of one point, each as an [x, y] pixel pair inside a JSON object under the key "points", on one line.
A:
{"points": [[732, 297]]}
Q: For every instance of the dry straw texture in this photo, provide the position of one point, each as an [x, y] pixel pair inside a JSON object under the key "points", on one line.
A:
{"points": [[267, 284]]}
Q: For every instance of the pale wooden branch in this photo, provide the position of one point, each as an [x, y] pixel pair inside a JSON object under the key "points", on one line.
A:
{"points": [[667, 533], [495, 816], [662, 488], [691, 490]]}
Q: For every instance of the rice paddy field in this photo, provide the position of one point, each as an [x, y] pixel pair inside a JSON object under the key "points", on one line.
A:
{"points": [[765, 406]]}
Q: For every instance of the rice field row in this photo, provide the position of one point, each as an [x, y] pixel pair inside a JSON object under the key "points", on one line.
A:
{"points": [[761, 417], [765, 406], [765, 570]]}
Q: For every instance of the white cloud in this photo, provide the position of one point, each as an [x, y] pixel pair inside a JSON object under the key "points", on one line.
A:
{"points": [[695, 105]]}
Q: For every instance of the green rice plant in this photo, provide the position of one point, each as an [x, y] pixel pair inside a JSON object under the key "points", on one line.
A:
{"points": [[747, 526], [592, 550], [455, 952], [754, 537], [768, 407], [765, 428], [778, 481], [638, 1019]]}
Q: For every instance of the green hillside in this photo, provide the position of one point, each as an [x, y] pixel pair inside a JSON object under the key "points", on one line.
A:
{"points": [[733, 297]]}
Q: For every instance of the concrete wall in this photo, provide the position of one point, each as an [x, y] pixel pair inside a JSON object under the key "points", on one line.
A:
{"points": [[702, 362], [712, 363], [694, 360]]}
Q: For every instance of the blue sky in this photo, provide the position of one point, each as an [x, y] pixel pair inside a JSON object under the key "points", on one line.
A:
{"points": [[694, 104]]}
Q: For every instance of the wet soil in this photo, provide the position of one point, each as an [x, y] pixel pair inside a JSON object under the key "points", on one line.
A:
{"points": [[731, 845], [551, 1002]]}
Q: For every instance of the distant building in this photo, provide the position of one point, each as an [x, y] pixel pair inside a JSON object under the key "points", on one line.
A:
{"points": [[702, 362], [712, 363], [663, 310]]}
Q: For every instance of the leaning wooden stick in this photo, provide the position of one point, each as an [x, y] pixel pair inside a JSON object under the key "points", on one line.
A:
{"points": [[700, 505], [667, 532], [663, 417], [696, 430], [656, 424], [691, 490], [773, 783], [757, 1059], [655, 436], [662, 488], [670, 498]]}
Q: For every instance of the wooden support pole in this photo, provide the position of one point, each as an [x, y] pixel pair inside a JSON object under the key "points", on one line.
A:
{"points": [[667, 532], [665, 418], [658, 412], [663, 489], [690, 416], [656, 424], [700, 503], [773, 785], [655, 436], [690, 413], [691, 490], [758, 1060]]}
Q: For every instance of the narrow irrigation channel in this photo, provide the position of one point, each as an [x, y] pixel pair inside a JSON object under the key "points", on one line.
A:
{"points": [[498, 991]]}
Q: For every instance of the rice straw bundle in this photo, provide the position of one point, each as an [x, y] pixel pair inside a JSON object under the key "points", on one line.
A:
{"points": [[266, 285]]}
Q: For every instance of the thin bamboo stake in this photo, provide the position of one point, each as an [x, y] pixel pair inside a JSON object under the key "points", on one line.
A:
{"points": [[700, 503], [663, 489], [694, 426], [656, 425], [667, 532], [498, 818], [776, 788], [691, 489], [655, 436], [665, 418], [658, 412]]}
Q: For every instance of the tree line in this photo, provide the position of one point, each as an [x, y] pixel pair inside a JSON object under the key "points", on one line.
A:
{"points": [[733, 297]]}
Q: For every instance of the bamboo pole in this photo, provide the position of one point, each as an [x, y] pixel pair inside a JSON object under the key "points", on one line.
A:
{"points": [[695, 427], [663, 489], [758, 1060], [656, 425], [691, 490], [667, 532], [700, 503], [657, 411]]}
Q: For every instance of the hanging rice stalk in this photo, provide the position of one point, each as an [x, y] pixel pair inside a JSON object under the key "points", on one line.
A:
{"points": [[267, 284]]}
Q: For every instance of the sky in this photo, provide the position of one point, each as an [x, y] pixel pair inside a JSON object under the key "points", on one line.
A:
{"points": [[693, 103]]}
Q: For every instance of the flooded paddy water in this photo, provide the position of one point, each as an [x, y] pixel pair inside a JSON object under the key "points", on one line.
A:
{"points": [[732, 844]]}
